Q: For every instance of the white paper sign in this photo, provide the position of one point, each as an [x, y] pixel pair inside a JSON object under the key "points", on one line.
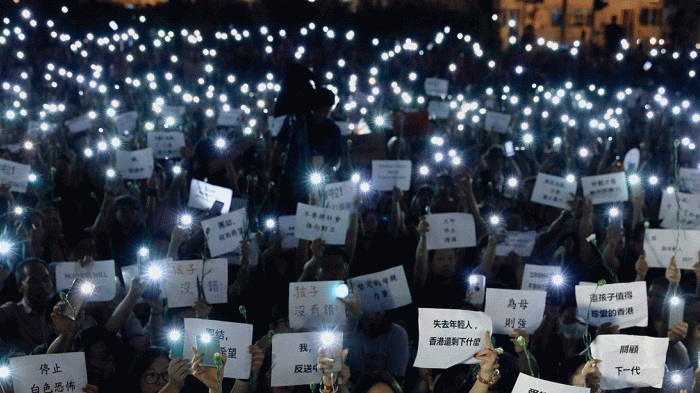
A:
{"points": [[234, 340], [439, 109], [538, 277], [668, 201], [528, 384], [225, 232], [345, 127], [631, 161], [553, 191], [518, 242], [690, 180], [166, 144], [203, 195], [230, 118], [126, 122], [340, 195], [450, 230], [382, 291], [295, 359], [315, 304], [274, 124], [689, 217], [605, 188], [78, 124], [64, 372], [181, 281], [623, 304], [14, 174], [496, 121], [515, 309], [436, 87], [313, 222], [659, 245], [387, 174], [135, 164], [286, 225], [448, 337], [630, 361], [99, 273]]}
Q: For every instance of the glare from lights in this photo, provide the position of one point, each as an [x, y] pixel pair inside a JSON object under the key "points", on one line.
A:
{"points": [[185, 220], [342, 291], [495, 220], [570, 178], [355, 178], [174, 335], [364, 187], [614, 212], [424, 170], [557, 279]]}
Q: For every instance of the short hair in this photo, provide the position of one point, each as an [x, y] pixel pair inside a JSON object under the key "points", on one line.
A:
{"points": [[337, 251], [20, 275], [325, 97]]}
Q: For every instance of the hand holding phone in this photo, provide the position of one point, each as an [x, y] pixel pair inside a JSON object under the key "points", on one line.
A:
{"points": [[176, 341], [332, 348], [77, 298], [207, 346], [477, 287]]}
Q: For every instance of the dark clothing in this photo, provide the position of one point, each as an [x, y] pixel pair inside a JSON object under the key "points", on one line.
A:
{"points": [[23, 328], [325, 140]]}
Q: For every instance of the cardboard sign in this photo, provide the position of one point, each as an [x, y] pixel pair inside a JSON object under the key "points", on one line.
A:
{"points": [[126, 122], [98, 273], [623, 304], [538, 277], [382, 291], [518, 242], [498, 122], [450, 230], [528, 384], [14, 174], [181, 281], [315, 304], [690, 180], [553, 191], [448, 337], [631, 161], [659, 246], [312, 222], [166, 144], [64, 372], [668, 201], [234, 340], [436, 87], [230, 118], [78, 124], [439, 109], [274, 124], [295, 359], [203, 195], [340, 195], [515, 309], [605, 188], [387, 174], [286, 225], [225, 232], [689, 217], [135, 164], [630, 361]]}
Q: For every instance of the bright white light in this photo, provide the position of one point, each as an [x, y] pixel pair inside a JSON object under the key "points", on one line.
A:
{"points": [[364, 187], [653, 180], [5, 247], [557, 140], [185, 220], [32, 177], [512, 182], [19, 210], [316, 178], [676, 378], [495, 220], [205, 338], [341, 291], [379, 121], [424, 170], [220, 143], [355, 178], [456, 161], [174, 335], [143, 252], [557, 279], [88, 152], [614, 212], [111, 173], [155, 272], [675, 300], [583, 152], [528, 138], [102, 146], [177, 169], [439, 157], [4, 372], [670, 190], [570, 178], [327, 338], [28, 145], [115, 142], [87, 288], [634, 179]]}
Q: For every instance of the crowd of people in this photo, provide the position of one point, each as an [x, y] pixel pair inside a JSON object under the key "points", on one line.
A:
{"points": [[574, 111]]}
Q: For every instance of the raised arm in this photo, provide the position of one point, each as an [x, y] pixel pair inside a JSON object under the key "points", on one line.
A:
{"points": [[312, 267], [421, 268]]}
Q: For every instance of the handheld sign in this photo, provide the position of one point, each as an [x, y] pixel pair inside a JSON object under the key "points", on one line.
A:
{"points": [[315, 304], [382, 291], [225, 232], [668, 202], [274, 124], [623, 304], [286, 225], [172, 112], [78, 124], [659, 246], [436, 87], [497, 122], [553, 191], [234, 340], [605, 188], [98, 273], [312, 222], [689, 217], [230, 118], [126, 122], [387, 174], [515, 309], [166, 144], [64, 372], [295, 359], [630, 361], [450, 230], [528, 384], [518, 242], [135, 164], [346, 127], [448, 337], [340, 195], [690, 180], [631, 161], [203, 195], [14, 174], [181, 281], [439, 109], [538, 277]]}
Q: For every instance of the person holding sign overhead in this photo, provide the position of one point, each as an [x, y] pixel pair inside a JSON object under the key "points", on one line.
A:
{"points": [[434, 273]]}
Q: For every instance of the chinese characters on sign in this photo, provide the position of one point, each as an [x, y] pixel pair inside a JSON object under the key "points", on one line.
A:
{"points": [[225, 232], [515, 309], [538, 277], [450, 230], [605, 188], [234, 339], [58, 373], [621, 304], [436, 87], [659, 245], [630, 361], [135, 164], [340, 196], [166, 144], [203, 195], [387, 174], [295, 358], [689, 216], [382, 291], [518, 242], [528, 384], [553, 191], [315, 304], [181, 281], [313, 222]]}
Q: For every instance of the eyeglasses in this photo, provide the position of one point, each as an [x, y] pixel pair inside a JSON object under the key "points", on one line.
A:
{"points": [[153, 378]]}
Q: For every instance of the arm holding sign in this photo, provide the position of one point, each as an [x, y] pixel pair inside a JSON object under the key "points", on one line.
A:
{"points": [[465, 185], [421, 269], [330, 381], [311, 267], [257, 357], [397, 223], [125, 309], [586, 252], [207, 374], [591, 376], [641, 267], [488, 375]]}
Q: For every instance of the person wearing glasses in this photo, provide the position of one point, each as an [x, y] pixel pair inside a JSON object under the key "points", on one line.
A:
{"points": [[152, 372]]}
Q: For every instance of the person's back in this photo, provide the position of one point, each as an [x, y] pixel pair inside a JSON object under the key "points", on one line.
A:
{"points": [[613, 35]]}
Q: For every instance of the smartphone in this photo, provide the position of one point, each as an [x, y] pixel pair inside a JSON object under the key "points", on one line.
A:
{"points": [[616, 223], [78, 296], [510, 152], [215, 210], [153, 290], [501, 236], [207, 348], [675, 313], [177, 343], [477, 287], [332, 348]]}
